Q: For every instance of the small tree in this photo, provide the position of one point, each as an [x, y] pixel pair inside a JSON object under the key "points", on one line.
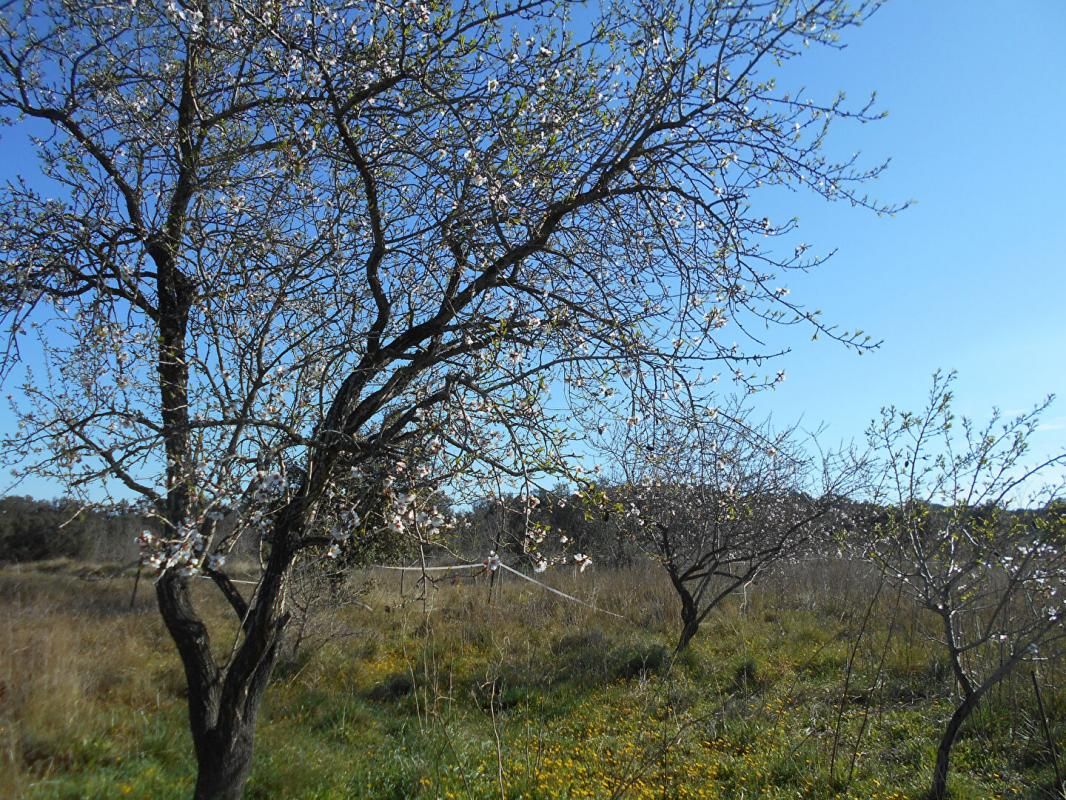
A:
{"points": [[717, 503], [283, 251], [992, 576]]}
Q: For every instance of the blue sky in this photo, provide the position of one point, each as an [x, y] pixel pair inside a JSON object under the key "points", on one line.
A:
{"points": [[972, 277]]}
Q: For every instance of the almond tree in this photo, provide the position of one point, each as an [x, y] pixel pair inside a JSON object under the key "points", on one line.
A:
{"points": [[721, 500], [301, 262], [975, 540]]}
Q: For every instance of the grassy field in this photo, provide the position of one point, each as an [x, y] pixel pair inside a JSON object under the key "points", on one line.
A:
{"points": [[519, 694]]}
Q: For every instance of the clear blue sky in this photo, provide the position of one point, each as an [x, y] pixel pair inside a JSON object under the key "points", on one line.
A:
{"points": [[973, 276]]}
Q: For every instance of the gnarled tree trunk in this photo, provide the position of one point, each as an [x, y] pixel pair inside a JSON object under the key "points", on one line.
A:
{"points": [[224, 701], [224, 761], [690, 621]]}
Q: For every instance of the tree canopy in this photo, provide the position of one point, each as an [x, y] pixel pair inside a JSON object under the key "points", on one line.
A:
{"points": [[305, 261]]}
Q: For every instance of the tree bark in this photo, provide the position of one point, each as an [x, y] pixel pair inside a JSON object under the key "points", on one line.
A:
{"points": [[223, 714], [224, 750], [687, 632], [224, 763], [224, 702], [690, 622], [939, 791]]}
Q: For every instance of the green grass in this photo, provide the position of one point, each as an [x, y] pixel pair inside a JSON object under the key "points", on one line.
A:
{"points": [[523, 697]]}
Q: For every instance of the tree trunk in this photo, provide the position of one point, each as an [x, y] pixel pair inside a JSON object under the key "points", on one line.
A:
{"points": [[223, 766], [224, 702], [225, 735], [939, 790], [689, 620], [687, 632]]}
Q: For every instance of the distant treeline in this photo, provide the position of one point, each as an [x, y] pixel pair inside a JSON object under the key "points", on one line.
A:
{"points": [[556, 525], [555, 522], [36, 530]]}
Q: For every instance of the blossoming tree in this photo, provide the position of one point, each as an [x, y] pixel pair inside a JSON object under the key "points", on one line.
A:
{"points": [[299, 262], [720, 501], [993, 577]]}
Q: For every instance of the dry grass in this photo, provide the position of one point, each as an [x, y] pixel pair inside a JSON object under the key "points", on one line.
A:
{"points": [[462, 692]]}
